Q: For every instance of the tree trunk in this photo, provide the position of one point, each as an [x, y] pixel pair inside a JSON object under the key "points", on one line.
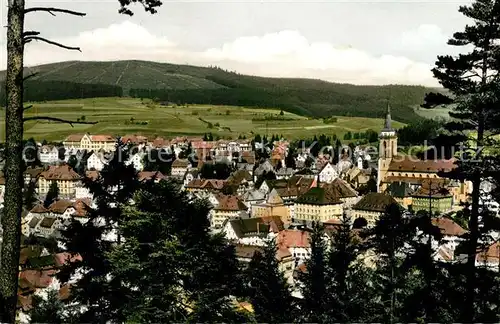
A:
{"points": [[11, 220]]}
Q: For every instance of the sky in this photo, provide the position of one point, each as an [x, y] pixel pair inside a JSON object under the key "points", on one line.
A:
{"points": [[359, 42]]}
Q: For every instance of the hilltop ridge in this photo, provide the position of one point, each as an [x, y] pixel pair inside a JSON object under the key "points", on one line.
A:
{"points": [[213, 85]]}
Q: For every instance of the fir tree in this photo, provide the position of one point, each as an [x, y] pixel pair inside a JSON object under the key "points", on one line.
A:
{"points": [[350, 294], [314, 306], [472, 79], [268, 291], [29, 195], [389, 241], [48, 310], [52, 194]]}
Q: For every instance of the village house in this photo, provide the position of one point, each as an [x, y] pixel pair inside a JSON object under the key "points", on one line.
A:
{"points": [[318, 204], [328, 173], [371, 207], [180, 167], [90, 142], [433, 196], [274, 206], [138, 141], [31, 174], [357, 177], [298, 242], [97, 161], [240, 182], [155, 176], [65, 177], [229, 207], [451, 238], [245, 253], [284, 173], [48, 154], [253, 197], [63, 210], [136, 160], [203, 186], [252, 231], [263, 167]]}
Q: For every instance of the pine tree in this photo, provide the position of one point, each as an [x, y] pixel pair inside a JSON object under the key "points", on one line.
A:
{"points": [[112, 191], [48, 310], [29, 195], [268, 291], [389, 241], [52, 194], [349, 291], [472, 79], [314, 281]]}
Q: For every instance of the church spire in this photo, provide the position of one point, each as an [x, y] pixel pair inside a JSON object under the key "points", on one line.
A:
{"points": [[388, 121]]}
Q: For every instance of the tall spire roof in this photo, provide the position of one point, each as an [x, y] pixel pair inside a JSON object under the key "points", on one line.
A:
{"points": [[388, 121]]}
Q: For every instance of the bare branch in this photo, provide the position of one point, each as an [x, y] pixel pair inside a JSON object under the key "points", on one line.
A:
{"points": [[59, 120], [30, 38], [34, 74], [52, 10], [30, 33], [27, 107]]}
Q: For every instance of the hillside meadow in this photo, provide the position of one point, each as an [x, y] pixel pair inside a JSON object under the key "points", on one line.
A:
{"points": [[120, 116]]}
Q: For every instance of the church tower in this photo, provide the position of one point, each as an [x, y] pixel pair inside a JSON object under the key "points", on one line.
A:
{"points": [[388, 149]]}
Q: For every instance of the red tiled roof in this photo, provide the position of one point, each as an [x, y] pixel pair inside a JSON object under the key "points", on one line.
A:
{"points": [[412, 164], [39, 209], [230, 203], [293, 238], [102, 138], [202, 145], [489, 255], [283, 252], [74, 138], [160, 142], [149, 175], [60, 172], [38, 278], [180, 163], [448, 226], [135, 139]]}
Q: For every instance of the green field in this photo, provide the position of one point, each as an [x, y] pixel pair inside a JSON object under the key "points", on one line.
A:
{"points": [[120, 116], [438, 112]]}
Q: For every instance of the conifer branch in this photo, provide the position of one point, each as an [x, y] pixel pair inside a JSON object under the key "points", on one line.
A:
{"points": [[30, 38], [52, 10], [31, 33], [59, 120]]}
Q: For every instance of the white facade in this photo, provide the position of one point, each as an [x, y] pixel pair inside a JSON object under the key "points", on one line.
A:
{"points": [[328, 174], [96, 162], [48, 154], [137, 161], [83, 192]]}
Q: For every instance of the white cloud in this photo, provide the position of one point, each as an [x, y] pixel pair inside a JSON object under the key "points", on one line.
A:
{"points": [[426, 36], [286, 53]]}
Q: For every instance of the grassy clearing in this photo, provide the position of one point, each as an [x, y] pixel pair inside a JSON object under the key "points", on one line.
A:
{"points": [[119, 116], [439, 112]]}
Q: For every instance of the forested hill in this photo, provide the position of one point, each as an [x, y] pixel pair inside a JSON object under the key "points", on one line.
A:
{"points": [[212, 85]]}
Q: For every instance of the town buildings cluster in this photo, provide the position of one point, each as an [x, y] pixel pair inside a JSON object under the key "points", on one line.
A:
{"points": [[262, 198]]}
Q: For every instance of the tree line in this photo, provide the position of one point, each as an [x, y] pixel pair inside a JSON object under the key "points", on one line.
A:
{"points": [[35, 90]]}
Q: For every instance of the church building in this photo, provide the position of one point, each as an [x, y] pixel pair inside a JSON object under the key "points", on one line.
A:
{"points": [[399, 169]]}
